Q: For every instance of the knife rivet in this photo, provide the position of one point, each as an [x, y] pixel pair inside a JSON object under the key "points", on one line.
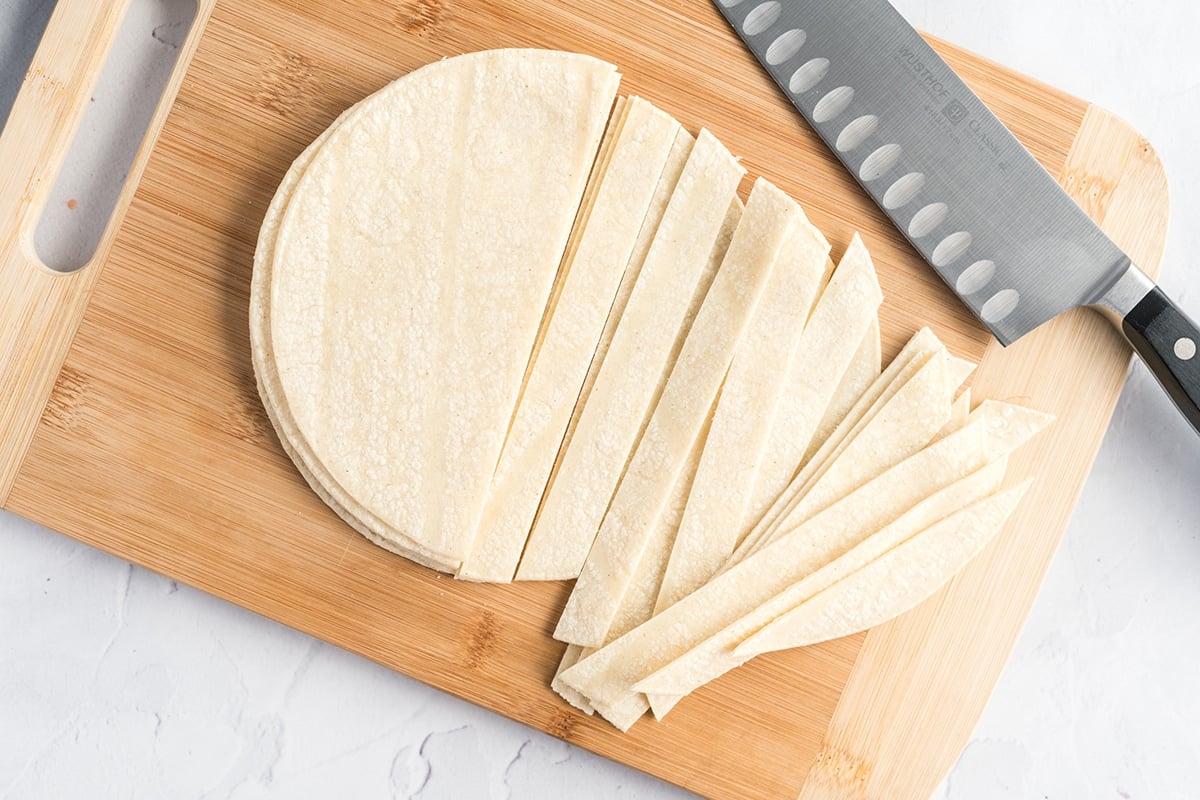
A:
{"points": [[808, 75], [1185, 349], [786, 46], [927, 219], [762, 17], [903, 191], [730, 3]]}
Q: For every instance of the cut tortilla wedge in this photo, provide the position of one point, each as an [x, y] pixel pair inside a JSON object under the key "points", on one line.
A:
{"points": [[679, 417], [893, 583], [593, 274], [637, 359]]}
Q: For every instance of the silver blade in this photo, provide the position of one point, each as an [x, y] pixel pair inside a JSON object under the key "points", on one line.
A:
{"points": [[977, 206]]}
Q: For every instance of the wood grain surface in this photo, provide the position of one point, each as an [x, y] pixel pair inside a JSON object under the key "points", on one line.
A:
{"points": [[147, 437]]}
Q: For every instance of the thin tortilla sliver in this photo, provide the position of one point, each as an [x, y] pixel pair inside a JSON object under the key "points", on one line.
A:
{"points": [[749, 400], [578, 496], [680, 415], [843, 314], [612, 133], [718, 654], [893, 583], [863, 371], [371, 277], [915, 354], [577, 320], [959, 411], [571, 657]]}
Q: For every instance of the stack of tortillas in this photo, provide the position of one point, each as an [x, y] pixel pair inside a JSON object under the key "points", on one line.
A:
{"points": [[510, 325]]}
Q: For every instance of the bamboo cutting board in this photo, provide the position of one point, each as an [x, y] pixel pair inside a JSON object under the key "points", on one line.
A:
{"points": [[129, 417]]}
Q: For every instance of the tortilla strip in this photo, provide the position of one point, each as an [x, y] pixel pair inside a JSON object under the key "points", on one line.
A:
{"points": [[556, 377], [619, 402], [843, 314], [749, 399], [914, 355], [678, 419], [607, 677], [892, 583], [716, 655], [637, 605]]}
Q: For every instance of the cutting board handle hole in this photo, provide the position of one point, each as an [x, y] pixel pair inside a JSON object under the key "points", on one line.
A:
{"points": [[18, 43], [113, 129]]}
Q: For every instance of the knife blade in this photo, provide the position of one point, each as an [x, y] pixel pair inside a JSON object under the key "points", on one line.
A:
{"points": [[976, 205]]}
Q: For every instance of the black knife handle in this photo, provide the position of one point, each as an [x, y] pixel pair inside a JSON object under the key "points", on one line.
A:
{"points": [[1169, 343]]}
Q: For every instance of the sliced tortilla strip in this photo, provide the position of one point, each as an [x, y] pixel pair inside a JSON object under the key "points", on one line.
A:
{"points": [[370, 327], [750, 396], [638, 602], [843, 314], [680, 151], [608, 676], [612, 133], [863, 371], [680, 415], [673, 169], [902, 426], [556, 377], [893, 583], [1005, 428], [262, 356], [619, 402], [637, 605], [718, 654], [571, 657], [914, 356], [959, 411]]}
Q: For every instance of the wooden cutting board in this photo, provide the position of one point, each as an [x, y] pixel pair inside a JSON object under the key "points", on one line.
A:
{"points": [[129, 417]]}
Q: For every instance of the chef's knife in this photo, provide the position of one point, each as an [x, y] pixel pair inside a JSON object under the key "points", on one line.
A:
{"points": [[976, 205]]}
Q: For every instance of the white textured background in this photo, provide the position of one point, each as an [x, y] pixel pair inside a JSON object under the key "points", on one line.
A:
{"points": [[115, 682]]}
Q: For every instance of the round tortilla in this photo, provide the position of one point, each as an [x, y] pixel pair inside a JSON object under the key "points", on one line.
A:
{"points": [[401, 275]]}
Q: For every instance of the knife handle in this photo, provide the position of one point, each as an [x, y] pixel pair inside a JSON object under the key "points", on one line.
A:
{"points": [[1169, 343]]}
